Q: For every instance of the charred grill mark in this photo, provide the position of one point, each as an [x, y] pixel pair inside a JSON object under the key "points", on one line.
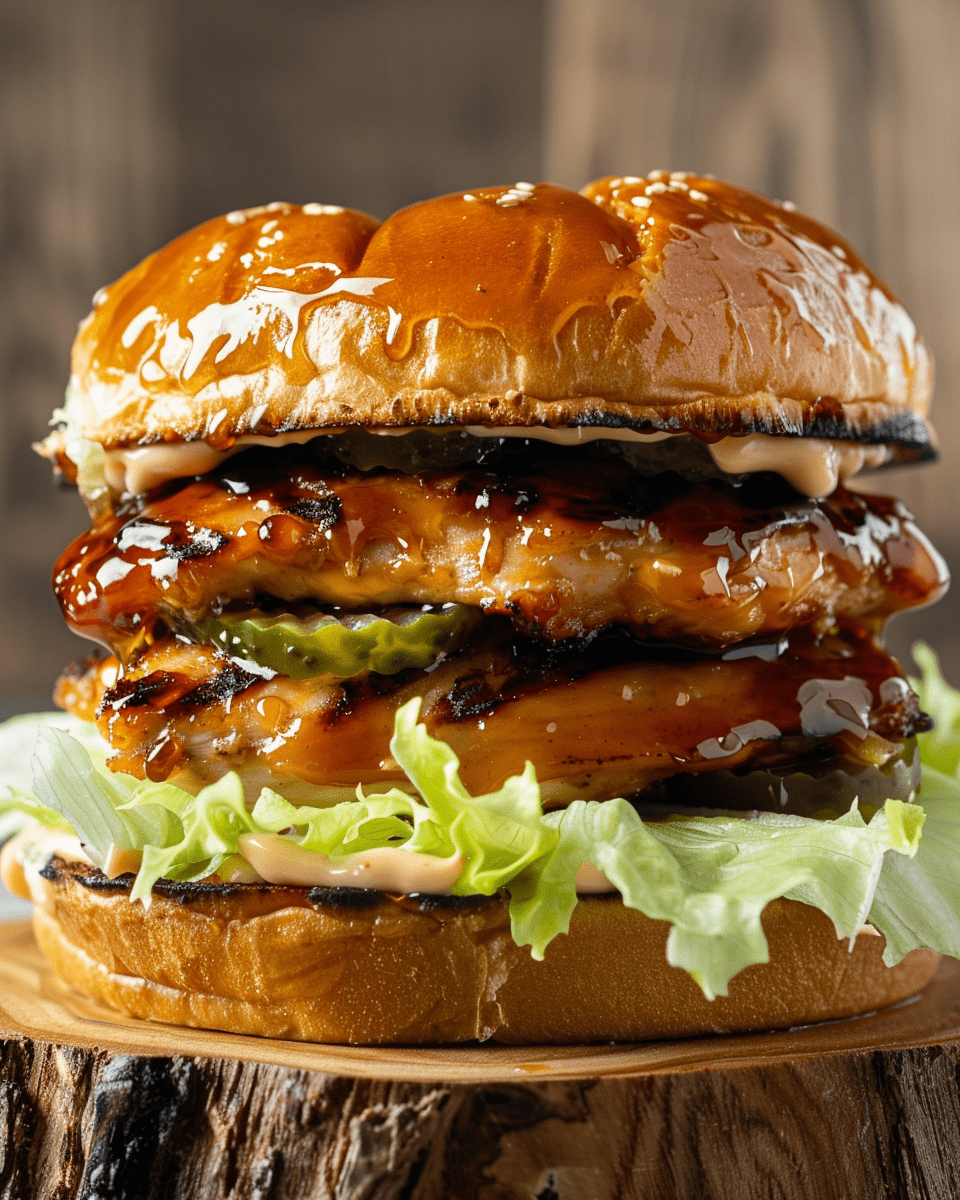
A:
{"points": [[633, 499], [344, 898], [156, 690], [162, 689], [324, 513], [617, 728], [440, 902], [582, 546], [281, 474], [199, 544], [901, 719], [229, 682], [264, 897], [474, 695], [182, 540]]}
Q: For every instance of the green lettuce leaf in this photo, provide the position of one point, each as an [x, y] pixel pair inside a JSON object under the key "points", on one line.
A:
{"points": [[204, 831], [940, 747], [712, 877], [18, 736], [917, 902], [88, 457], [498, 834], [350, 827]]}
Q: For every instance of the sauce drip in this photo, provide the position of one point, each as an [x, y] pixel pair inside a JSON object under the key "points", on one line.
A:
{"points": [[503, 259], [221, 298], [235, 296], [564, 550]]}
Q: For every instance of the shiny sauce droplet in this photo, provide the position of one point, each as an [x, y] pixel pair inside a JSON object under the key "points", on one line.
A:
{"points": [[283, 535], [162, 758]]}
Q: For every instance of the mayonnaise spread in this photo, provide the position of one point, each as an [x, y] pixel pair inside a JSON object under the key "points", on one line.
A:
{"points": [[385, 869], [25, 855], [814, 466], [275, 859], [278, 860]]}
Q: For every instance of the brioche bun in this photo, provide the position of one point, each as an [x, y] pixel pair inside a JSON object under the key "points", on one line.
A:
{"points": [[672, 303], [346, 966]]}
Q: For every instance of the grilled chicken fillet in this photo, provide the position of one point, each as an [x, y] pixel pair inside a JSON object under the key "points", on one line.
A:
{"points": [[565, 551], [593, 724]]}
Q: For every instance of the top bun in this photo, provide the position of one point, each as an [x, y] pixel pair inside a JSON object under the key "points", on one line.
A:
{"points": [[674, 303]]}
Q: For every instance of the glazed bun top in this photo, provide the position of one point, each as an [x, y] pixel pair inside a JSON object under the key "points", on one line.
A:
{"points": [[670, 303]]}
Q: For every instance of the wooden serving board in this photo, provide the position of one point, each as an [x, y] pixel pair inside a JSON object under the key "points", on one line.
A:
{"points": [[96, 1105]]}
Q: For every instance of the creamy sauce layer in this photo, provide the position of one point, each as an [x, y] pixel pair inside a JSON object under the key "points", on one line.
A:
{"points": [[814, 466], [25, 855], [279, 860], [274, 859]]}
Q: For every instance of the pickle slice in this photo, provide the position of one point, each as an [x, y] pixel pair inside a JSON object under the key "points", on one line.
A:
{"points": [[341, 646]]}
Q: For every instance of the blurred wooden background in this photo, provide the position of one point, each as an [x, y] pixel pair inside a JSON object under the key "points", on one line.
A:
{"points": [[123, 122]]}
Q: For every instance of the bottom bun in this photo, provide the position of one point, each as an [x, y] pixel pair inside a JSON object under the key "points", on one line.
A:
{"points": [[364, 968]]}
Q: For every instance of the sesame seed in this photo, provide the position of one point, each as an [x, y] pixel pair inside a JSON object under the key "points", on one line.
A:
{"points": [[641, 201], [789, 206], [700, 197], [612, 253], [656, 189], [319, 210]]}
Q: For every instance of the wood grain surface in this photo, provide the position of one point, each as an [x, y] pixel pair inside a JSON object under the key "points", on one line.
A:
{"points": [[94, 1105]]}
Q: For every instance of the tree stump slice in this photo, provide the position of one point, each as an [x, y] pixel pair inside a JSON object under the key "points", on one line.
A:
{"points": [[93, 1105]]}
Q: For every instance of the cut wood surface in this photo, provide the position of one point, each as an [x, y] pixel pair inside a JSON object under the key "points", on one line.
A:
{"points": [[94, 1105]]}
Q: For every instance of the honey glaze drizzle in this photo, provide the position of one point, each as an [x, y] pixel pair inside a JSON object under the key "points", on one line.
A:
{"points": [[221, 300], [565, 551], [507, 259], [594, 729]]}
